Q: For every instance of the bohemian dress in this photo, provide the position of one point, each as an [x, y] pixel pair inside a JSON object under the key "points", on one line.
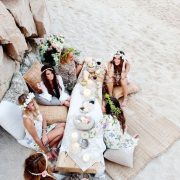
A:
{"points": [[113, 134], [68, 73], [38, 125]]}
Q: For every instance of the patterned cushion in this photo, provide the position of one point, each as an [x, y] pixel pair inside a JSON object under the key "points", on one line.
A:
{"points": [[53, 114], [118, 92], [17, 87], [33, 76]]}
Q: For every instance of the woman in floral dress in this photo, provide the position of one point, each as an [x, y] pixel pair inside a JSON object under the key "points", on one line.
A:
{"points": [[113, 124], [69, 68]]}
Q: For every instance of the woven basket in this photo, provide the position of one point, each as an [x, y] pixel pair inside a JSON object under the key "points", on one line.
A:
{"points": [[33, 76]]}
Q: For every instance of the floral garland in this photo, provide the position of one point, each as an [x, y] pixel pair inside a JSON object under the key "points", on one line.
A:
{"points": [[121, 54], [67, 51], [29, 98], [115, 110], [52, 41]]}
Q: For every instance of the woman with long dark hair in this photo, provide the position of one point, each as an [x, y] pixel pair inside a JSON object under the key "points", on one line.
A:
{"points": [[117, 71], [114, 125], [52, 87]]}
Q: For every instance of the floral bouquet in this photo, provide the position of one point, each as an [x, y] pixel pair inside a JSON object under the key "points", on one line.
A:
{"points": [[50, 49]]}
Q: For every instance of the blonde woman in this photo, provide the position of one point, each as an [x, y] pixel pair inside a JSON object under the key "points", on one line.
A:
{"points": [[39, 136], [69, 68]]}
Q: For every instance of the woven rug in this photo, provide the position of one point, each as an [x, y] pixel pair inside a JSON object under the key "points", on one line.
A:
{"points": [[156, 133]]}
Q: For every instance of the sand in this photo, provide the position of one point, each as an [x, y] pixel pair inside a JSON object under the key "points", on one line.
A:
{"points": [[149, 33]]}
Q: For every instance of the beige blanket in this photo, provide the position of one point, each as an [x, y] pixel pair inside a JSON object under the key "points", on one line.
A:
{"points": [[156, 133]]}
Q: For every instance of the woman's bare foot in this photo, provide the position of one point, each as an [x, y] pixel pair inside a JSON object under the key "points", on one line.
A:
{"points": [[124, 102], [49, 156]]}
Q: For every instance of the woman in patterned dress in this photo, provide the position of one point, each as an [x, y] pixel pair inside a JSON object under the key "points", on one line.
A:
{"points": [[39, 136], [69, 68], [114, 126], [117, 71]]}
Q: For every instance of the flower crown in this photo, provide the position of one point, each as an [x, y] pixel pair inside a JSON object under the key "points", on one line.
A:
{"points": [[115, 110], [44, 173], [66, 52], [29, 98], [121, 54]]}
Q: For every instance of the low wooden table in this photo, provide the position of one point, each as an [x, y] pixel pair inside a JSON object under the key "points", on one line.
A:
{"points": [[66, 165]]}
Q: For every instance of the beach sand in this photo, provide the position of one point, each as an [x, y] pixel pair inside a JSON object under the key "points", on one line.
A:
{"points": [[149, 33]]}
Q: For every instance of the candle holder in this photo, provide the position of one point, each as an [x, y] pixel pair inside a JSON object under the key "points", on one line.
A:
{"points": [[84, 143]]}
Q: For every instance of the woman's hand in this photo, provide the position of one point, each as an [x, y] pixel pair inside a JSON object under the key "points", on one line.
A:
{"points": [[44, 139], [66, 103], [39, 86], [123, 76]]}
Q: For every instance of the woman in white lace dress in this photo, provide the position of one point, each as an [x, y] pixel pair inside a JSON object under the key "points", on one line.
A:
{"points": [[39, 136], [113, 124]]}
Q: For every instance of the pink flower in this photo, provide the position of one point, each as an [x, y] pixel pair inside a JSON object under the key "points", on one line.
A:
{"points": [[44, 173]]}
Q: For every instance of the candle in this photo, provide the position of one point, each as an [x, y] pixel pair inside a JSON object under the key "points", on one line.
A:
{"points": [[98, 71], [86, 75], [90, 82], [86, 157], [87, 92], [84, 135], [74, 136], [75, 148]]}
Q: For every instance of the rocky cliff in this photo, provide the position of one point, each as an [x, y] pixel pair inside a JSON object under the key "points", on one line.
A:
{"points": [[21, 20]]}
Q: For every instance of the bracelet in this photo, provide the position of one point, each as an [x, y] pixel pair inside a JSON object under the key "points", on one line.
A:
{"points": [[47, 147]]}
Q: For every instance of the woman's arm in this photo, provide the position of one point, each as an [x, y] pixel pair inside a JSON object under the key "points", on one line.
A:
{"points": [[127, 68], [60, 81], [32, 131], [79, 64], [43, 87], [78, 69], [44, 130]]}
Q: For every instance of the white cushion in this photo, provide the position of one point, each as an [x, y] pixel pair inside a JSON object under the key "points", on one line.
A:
{"points": [[11, 119], [123, 156]]}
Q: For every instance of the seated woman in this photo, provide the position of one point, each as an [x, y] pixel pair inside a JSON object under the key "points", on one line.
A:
{"points": [[39, 136], [69, 68], [117, 71], [114, 125], [52, 87]]}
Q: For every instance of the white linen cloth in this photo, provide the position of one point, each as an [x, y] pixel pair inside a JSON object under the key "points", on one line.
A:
{"points": [[96, 145]]}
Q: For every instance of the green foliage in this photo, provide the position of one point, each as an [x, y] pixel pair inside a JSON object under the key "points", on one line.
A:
{"points": [[115, 110]]}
